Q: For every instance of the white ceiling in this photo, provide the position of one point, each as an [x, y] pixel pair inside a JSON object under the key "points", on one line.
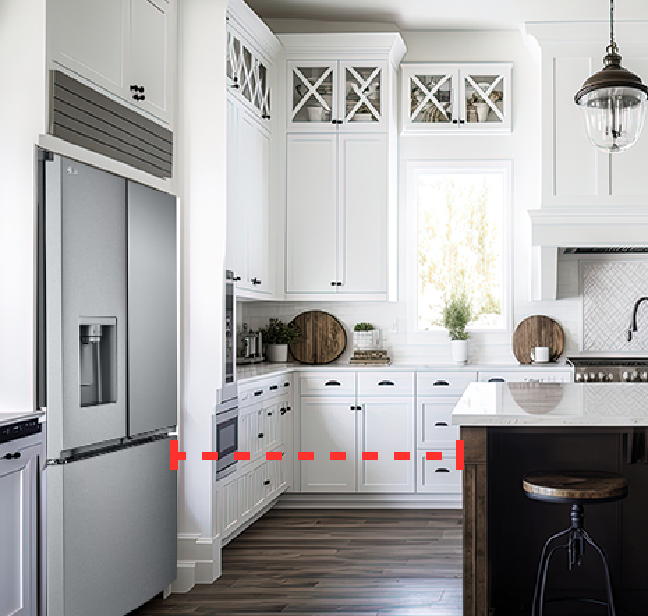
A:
{"points": [[450, 14]]}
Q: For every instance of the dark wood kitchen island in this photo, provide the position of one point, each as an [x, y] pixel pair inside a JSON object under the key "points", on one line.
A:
{"points": [[510, 429]]}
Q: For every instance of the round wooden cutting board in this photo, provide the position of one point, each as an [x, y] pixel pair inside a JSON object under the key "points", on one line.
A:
{"points": [[323, 338], [538, 331]]}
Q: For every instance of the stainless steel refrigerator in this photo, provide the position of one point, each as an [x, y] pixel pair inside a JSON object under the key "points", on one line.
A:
{"points": [[107, 375]]}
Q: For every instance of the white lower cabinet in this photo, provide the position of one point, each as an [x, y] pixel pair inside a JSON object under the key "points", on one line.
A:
{"points": [[328, 424], [386, 426], [438, 476], [434, 422], [18, 524]]}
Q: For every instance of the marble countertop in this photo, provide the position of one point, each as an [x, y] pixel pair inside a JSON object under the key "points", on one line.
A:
{"points": [[553, 404], [250, 372], [10, 417]]}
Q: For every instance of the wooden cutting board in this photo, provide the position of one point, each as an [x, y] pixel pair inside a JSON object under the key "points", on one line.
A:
{"points": [[534, 331], [323, 338]]}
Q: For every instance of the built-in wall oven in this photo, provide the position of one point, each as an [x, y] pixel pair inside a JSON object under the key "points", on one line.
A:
{"points": [[225, 437]]}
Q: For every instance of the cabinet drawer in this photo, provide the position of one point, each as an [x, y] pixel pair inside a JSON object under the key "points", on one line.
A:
{"points": [[328, 383], [444, 383], [527, 376], [434, 427], [385, 384], [438, 476]]}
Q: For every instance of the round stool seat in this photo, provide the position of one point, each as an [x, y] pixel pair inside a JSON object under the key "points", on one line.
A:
{"points": [[575, 486]]}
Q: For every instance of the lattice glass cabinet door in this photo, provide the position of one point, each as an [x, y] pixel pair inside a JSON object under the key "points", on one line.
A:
{"points": [[429, 97], [312, 94], [234, 60], [485, 96], [364, 95]]}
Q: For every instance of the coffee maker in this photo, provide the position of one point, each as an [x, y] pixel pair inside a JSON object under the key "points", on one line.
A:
{"points": [[251, 349]]}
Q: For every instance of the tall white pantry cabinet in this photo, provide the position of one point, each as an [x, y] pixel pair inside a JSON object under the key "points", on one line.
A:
{"points": [[341, 159]]}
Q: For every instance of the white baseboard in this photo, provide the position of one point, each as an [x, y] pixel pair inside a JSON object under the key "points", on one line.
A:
{"points": [[301, 500], [199, 561]]}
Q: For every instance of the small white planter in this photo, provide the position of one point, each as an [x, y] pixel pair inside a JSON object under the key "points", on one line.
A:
{"points": [[366, 341], [460, 351], [277, 352]]}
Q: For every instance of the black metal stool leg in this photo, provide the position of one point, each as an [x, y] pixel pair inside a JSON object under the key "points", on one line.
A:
{"points": [[544, 576], [608, 581], [540, 568]]}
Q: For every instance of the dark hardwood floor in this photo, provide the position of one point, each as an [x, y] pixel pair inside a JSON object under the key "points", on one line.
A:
{"points": [[342, 562]]}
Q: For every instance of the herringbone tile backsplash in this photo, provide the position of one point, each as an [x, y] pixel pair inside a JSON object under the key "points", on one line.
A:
{"points": [[609, 293]]}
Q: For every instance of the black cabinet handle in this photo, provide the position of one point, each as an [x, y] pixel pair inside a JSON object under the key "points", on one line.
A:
{"points": [[332, 383], [137, 89], [260, 434], [289, 408], [497, 380], [12, 456], [266, 482], [441, 470], [441, 423], [462, 121], [386, 383], [455, 121], [235, 86], [287, 384], [258, 393], [273, 387], [255, 281], [269, 414], [236, 278], [265, 116], [332, 284], [339, 284], [283, 411], [441, 382], [139, 97]]}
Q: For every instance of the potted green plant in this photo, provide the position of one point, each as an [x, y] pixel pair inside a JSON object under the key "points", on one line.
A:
{"points": [[365, 337], [277, 336], [457, 313]]}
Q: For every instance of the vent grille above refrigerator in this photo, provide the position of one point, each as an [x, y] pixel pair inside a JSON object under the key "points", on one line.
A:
{"points": [[622, 250]]}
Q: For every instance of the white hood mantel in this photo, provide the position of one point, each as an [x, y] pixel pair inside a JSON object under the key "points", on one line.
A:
{"points": [[581, 227]]}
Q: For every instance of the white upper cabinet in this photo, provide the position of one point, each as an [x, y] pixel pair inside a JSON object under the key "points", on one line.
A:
{"points": [[126, 47], [574, 172], [342, 95], [469, 98]]}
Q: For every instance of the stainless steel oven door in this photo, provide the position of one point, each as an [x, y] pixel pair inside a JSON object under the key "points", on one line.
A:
{"points": [[225, 437]]}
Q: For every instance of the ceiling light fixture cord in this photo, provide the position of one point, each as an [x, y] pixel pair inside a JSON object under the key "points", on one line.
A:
{"points": [[612, 44]]}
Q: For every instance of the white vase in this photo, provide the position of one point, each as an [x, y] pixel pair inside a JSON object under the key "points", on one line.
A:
{"points": [[460, 351], [277, 352], [482, 111]]}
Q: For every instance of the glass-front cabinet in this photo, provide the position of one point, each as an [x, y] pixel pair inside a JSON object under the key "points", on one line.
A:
{"points": [[247, 75], [346, 95], [470, 98]]}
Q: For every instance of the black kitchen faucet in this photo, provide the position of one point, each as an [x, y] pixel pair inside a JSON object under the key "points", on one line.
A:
{"points": [[633, 323]]}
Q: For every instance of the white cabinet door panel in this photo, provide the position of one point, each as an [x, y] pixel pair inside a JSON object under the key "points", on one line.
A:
{"points": [[386, 426], [150, 22], [311, 238], [363, 164], [237, 223], [89, 37], [328, 425]]}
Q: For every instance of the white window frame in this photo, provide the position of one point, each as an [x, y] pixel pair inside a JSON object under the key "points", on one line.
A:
{"points": [[414, 168]]}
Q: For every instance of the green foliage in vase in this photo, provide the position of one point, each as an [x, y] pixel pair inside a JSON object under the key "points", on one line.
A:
{"points": [[457, 313], [277, 332], [363, 327]]}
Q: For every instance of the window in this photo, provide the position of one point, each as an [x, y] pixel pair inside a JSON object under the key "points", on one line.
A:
{"points": [[459, 216]]}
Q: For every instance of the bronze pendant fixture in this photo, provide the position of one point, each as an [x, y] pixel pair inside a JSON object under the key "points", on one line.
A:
{"points": [[613, 101]]}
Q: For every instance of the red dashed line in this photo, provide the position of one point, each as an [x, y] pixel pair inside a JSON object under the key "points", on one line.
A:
{"points": [[303, 456], [433, 455], [175, 454], [401, 455], [274, 455], [369, 455], [460, 455], [210, 455], [338, 455], [242, 455]]}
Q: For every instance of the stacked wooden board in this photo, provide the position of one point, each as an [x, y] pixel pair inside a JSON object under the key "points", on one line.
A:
{"points": [[370, 358]]}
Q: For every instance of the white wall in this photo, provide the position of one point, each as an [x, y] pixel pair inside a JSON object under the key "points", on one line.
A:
{"points": [[522, 147], [202, 191], [22, 119]]}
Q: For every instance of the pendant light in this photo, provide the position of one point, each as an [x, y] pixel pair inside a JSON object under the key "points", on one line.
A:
{"points": [[613, 101]]}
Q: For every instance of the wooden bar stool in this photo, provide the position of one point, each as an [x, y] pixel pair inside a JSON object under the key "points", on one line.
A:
{"points": [[576, 488]]}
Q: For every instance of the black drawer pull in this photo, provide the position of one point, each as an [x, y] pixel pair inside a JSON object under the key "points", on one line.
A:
{"points": [[283, 411], [332, 384], [497, 380], [386, 383], [12, 456], [266, 482], [273, 387], [441, 382], [441, 470], [441, 423], [258, 393], [287, 384], [289, 408], [260, 434], [269, 414]]}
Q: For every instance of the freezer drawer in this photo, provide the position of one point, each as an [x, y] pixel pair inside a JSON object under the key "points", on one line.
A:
{"points": [[111, 531]]}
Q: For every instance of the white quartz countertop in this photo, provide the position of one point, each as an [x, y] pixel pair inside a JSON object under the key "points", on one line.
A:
{"points": [[250, 372], [10, 417], [553, 404]]}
